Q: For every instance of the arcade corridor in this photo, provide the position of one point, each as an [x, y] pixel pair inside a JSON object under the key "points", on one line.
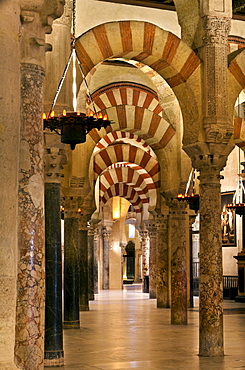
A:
{"points": [[124, 330]]}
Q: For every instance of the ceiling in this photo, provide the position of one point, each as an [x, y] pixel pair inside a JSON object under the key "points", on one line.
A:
{"points": [[238, 5]]}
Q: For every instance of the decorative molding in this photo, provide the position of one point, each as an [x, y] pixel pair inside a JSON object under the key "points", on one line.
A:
{"points": [[216, 30]]}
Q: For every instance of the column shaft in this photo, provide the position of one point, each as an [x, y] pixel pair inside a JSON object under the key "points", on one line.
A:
{"points": [[153, 261], [91, 263], [30, 302], [84, 301], [96, 271], [178, 263], [145, 259], [162, 263], [210, 283], [71, 273], [53, 345], [106, 253]]}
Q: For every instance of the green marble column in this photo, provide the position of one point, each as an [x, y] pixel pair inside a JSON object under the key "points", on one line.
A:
{"points": [[53, 345], [71, 266], [91, 262], [83, 258]]}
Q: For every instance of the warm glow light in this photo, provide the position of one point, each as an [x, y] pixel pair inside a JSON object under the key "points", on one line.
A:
{"points": [[44, 116], [52, 114], [100, 115], [64, 112], [78, 113], [116, 209], [79, 210], [105, 118], [91, 113]]}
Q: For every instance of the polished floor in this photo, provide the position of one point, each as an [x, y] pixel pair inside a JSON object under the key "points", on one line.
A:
{"points": [[124, 330]]}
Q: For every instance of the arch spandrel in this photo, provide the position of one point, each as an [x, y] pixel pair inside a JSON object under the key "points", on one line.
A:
{"points": [[151, 45]]}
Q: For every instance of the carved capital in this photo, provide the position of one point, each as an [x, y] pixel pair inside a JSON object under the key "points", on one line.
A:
{"points": [[36, 18], [177, 207], [216, 29], [54, 161], [220, 134], [106, 232]]}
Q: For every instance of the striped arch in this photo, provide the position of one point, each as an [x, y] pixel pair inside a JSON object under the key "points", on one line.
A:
{"points": [[126, 93], [124, 191], [155, 130], [142, 41], [127, 138], [126, 153], [164, 52]]}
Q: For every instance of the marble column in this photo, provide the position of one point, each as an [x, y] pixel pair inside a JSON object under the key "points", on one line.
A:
{"points": [[162, 262], [9, 148], [83, 253], [91, 262], [211, 276], [152, 228], [96, 258], [29, 345], [177, 226], [106, 253], [55, 159], [144, 237], [71, 264]]}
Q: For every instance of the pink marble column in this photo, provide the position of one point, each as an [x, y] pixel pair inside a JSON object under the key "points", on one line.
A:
{"points": [[29, 344], [162, 262], [210, 281], [144, 237], [106, 251], [177, 215], [152, 227]]}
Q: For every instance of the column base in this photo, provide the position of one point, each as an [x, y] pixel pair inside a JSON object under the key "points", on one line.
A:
{"points": [[83, 308], [53, 358], [91, 297], [71, 324], [240, 298]]}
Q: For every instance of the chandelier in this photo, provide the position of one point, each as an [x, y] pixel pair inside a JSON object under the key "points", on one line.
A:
{"points": [[192, 199], [74, 126]]}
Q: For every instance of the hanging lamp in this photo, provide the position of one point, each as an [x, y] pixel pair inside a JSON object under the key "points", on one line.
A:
{"points": [[74, 126], [192, 199]]}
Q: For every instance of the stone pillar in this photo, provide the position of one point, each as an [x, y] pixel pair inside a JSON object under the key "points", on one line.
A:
{"points": [[91, 262], [211, 276], [162, 262], [83, 253], [9, 150], [106, 251], [29, 345], [55, 159], [144, 236], [71, 264], [152, 227], [96, 258], [177, 226]]}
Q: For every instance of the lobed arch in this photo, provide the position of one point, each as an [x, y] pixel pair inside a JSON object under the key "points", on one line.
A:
{"points": [[164, 52]]}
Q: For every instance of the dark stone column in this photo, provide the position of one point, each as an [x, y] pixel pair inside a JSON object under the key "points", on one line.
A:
{"points": [[106, 251], [162, 263], [152, 227], [178, 236], [211, 275], [83, 253], [55, 158], [71, 265], [144, 236], [91, 262]]}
